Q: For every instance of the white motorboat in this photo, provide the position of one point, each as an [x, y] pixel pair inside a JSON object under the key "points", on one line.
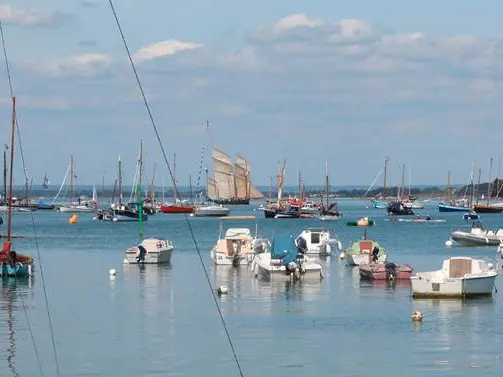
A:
{"points": [[213, 210], [318, 241], [478, 236], [150, 251], [238, 246], [459, 277], [87, 207], [284, 262]]}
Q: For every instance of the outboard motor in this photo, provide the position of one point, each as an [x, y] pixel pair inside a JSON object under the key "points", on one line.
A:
{"points": [[141, 255], [301, 245], [391, 270]]}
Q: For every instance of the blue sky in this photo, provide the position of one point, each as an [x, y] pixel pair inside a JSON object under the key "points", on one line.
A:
{"points": [[305, 81]]}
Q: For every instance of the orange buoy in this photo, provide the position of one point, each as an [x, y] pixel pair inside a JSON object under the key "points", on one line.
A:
{"points": [[73, 219]]}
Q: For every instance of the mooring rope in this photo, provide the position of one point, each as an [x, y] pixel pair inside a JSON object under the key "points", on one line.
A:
{"points": [[152, 121]]}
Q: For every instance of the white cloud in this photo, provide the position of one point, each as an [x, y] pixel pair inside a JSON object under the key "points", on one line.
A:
{"points": [[27, 17], [89, 64], [164, 48], [295, 21]]}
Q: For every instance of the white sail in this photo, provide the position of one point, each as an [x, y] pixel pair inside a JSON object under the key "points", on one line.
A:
{"points": [[223, 175], [212, 189], [241, 175]]}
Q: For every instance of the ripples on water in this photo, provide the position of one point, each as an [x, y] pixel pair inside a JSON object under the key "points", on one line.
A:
{"points": [[161, 320]]}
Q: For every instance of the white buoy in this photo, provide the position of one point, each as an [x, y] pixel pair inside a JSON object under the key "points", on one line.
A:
{"points": [[417, 316], [112, 272], [191, 215], [125, 261], [448, 243], [222, 290], [342, 255]]}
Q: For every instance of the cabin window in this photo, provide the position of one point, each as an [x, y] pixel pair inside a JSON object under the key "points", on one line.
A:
{"points": [[315, 238]]}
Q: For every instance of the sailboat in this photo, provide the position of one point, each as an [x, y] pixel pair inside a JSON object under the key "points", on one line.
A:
{"points": [[153, 250], [379, 201], [11, 262], [78, 205], [231, 182], [329, 211], [472, 215], [177, 206], [488, 207], [120, 211]]}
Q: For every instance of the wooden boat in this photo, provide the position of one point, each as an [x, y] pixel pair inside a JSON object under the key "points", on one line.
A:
{"points": [[329, 211], [231, 182], [177, 208], [460, 277], [365, 251], [385, 271], [13, 263]]}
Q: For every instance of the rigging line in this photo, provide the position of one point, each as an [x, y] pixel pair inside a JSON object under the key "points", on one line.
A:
{"points": [[147, 107], [9, 76], [30, 329]]}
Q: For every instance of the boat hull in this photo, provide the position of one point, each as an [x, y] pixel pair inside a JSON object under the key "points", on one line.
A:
{"points": [[232, 201], [211, 211], [448, 208], [385, 271], [16, 270], [76, 209], [359, 259], [177, 209], [157, 252], [468, 239], [452, 288]]}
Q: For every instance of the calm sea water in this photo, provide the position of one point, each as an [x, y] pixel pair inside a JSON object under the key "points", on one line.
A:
{"points": [[162, 320]]}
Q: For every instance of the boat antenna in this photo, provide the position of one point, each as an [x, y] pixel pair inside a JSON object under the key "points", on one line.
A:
{"points": [[30, 330], [152, 121]]}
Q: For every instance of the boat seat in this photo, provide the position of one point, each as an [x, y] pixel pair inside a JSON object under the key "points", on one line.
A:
{"points": [[365, 246]]}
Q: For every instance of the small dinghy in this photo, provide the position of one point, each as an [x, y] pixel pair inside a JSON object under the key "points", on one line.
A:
{"points": [[385, 271], [364, 221]]}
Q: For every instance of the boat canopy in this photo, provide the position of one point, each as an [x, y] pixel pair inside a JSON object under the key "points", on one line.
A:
{"points": [[237, 232], [284, 248]]}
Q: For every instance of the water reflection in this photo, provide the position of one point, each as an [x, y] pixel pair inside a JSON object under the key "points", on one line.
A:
{"points": [[11, 291]]}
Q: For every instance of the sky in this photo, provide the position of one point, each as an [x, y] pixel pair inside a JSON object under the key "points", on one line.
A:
{"points": [[303, 81]]}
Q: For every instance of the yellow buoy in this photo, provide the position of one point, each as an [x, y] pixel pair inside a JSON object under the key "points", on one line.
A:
{"points": [[73, 219]]}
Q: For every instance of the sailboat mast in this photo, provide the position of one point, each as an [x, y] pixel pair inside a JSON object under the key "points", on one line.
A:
{"points": [[448, 193], [385, 177], [489, 180], [472, 197], [402, 191], [71, 176], [120, 181], [478, 185], [174, 178], [140, 168], [9, 218], [190, 188], [5, 173], [326, 180]]}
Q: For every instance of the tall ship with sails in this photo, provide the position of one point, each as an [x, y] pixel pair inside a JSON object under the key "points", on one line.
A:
{"points": [[231, 182]]}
